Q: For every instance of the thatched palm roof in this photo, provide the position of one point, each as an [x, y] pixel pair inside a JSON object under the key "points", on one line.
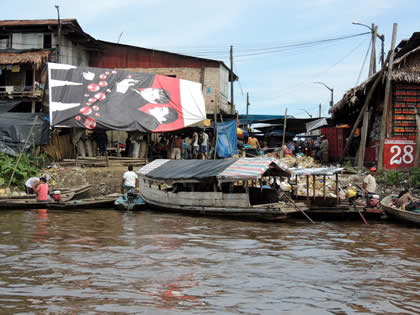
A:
{"points": [[400, 74], [37, 58]]}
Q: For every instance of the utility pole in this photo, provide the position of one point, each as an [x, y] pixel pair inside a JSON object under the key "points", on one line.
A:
{"points": [[231, 77], [319, 110], [58, 34], [386, 100], [372, 71], [247, 102]]}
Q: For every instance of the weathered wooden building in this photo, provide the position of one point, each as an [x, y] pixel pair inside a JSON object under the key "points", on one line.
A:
{"points": [[401, 128], [26, 46]]}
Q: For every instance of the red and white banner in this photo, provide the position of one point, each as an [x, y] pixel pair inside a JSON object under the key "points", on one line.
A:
{"points": [[95, 98]]}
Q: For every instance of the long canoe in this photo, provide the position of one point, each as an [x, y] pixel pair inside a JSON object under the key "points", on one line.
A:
{"points": [[77, 190], [32, 203], [404, 215]]}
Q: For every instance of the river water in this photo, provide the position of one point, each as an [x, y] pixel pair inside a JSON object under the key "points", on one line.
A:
{"points": [[105, 261]]}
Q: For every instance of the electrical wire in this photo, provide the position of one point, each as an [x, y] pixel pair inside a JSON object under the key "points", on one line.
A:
{"points": [[363, 64]]}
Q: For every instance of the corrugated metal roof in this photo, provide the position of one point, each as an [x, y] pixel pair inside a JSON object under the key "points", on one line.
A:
{"points": [[35, 22]]}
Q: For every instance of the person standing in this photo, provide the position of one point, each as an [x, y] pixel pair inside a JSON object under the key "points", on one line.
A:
{"points": [[130, 179], [42, 190], [369, 184], [177, 144], [254, 143], [195, 145], [204, 145], [30, 183]]}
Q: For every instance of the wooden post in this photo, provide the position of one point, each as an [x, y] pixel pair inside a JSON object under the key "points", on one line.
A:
{"points": [[284, 132], [307, 187], [216, 130], [231, 79], [359, 118], [386, 100], [313, 184], [363, 138], [227, 136], [417, 156], [336, 188]]}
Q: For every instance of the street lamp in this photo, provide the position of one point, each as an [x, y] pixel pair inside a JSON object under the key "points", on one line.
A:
{"points": [[331, 90], [374, 29], [306, 112]]}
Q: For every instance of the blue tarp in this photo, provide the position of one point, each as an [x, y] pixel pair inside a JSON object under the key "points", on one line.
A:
{"points": [[223, 150]]}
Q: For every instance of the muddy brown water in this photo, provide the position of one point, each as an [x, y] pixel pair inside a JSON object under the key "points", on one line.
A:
{"points": [[105, 261]]}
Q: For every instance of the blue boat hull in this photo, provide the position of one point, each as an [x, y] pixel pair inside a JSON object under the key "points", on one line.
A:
{"points": [[123, 203]]}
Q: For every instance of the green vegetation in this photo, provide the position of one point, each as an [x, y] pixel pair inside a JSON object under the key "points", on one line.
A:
{"points": [[29, 166], [414, 174], [393, 178]]}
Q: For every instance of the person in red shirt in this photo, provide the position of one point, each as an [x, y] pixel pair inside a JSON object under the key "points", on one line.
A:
{"points": [[42, 190]]}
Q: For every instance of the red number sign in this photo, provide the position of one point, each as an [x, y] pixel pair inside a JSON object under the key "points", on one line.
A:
{"points": [[399, 153]]}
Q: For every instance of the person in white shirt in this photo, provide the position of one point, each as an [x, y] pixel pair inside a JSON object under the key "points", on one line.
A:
{"points": [[29, 184], [369, 184], [129, 180], [204, 145]]}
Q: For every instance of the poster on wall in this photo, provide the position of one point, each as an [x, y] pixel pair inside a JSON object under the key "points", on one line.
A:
{"points": [[399, 153], [95, 98]]}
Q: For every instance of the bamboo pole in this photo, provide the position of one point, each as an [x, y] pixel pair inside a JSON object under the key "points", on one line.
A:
{"points": [[359, 118], [284, 128], [386, 100], [21, 151]]}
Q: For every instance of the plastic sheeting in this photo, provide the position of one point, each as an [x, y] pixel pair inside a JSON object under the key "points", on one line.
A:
{"points": [[15, 128], [185, 169], [6, 105], [328, 171], [223, 139]]}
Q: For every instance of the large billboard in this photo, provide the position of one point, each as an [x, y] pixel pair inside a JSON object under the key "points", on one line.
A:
{"points": [[95, 98]]}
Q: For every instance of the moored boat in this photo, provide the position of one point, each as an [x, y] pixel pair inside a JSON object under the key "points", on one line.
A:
{"points": [[231, 187], [129, 201], [32, 203], [400, 214]]}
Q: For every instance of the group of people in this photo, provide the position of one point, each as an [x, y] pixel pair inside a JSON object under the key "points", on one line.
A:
{"points": [[314, 147], [38, 186], [180, 146]]}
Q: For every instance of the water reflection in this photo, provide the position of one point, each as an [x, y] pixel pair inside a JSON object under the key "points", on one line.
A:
{"points": [[125, 262], [42, 225]]}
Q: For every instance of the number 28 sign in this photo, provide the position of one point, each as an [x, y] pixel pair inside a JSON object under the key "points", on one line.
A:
{"points": [[399, 153]]}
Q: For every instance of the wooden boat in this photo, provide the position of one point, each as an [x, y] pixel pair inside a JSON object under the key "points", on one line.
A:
{"points": [[32, 203], [102, 202], [78, 192], [129, 202], [404, 215], [215, 187]]}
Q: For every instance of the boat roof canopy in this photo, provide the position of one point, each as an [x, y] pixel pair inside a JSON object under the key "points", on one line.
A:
{"points": [[227, 170]]}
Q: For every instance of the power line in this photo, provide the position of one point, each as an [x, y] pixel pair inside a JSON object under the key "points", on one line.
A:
{"points": [[363, 64]]}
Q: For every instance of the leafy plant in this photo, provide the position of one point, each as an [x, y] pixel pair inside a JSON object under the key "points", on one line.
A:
{"points": [[415, 177], [29, 166], [394, 178]]}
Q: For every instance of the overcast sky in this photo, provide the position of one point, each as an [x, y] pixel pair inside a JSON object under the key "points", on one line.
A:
{"points": [[279, 48]]}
